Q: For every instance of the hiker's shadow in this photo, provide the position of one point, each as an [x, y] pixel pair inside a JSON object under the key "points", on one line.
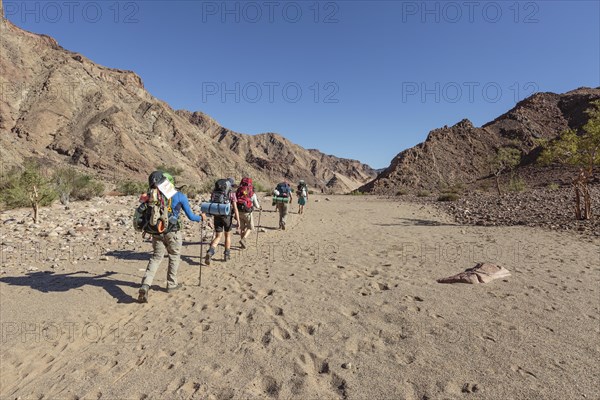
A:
{"points": [[48, 282]]}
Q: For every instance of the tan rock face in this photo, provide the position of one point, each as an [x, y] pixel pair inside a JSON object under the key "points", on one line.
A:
{"points": [[460, 154], [59, 106]]}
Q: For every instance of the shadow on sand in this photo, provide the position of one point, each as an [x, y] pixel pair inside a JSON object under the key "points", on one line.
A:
{"points": [[47, 282], [128, 255], [416, 222]]}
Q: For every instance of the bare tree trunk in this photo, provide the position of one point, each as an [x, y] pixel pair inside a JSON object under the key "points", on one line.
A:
{"points": [[498, 185], [579, 190], [35, 203], [587, 204], [577, 203], [36, 208], [587, 200]]}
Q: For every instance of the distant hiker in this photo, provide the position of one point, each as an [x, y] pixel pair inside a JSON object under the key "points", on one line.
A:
{"points": [[158, 215], [225, 195], [302, 195], [247, 202], [281, 199]]}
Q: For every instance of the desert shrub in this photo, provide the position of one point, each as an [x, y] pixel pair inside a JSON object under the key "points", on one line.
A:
{"points": [[86, 188], [517, 184], [402, 192], [69, 184], [311, 192], [553, 186], [423, 193], [27, 187], [191, 191], [356, 193], [506, 159], [448, 197], [130, 188], [207, 186], [457, 188], [259, 187], [173, 170]]}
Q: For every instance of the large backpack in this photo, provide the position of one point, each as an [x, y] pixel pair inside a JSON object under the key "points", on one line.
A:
{"points": [[244, 195], [283, 188], [154, 215], [221, 192], [302, 189]]}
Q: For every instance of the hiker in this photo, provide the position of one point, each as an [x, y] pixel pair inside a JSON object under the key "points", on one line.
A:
{"points": [[282, 198], [168, 238], [302, 195], [223, 194], [247, 202]]}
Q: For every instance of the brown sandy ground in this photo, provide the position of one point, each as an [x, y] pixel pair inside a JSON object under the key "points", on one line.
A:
{"points": [[342, 305]]}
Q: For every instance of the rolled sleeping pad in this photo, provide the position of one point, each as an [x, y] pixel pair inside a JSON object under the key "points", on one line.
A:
{"points": [[215, 208], [277, 199]]}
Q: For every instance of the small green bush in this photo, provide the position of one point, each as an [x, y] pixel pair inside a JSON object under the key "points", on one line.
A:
{"points": [[69, 184], [173, 170], [191, 191], [207, 186], [27, 187], [356, 193], [402, 192], [553, 186], [259, 187], [86, 188], [311, 192], [423, 193], [131, 188], [517, 184]]}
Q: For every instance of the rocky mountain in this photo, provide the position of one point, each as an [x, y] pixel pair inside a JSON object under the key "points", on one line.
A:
{"points": [[460, 154], [60, 107]]}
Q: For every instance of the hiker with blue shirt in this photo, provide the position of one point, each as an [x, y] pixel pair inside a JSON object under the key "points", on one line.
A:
{"points": [[170, 240]]}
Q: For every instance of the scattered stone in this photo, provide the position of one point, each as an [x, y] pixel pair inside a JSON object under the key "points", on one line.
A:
{"points": [[535, 207], [103, 258]]}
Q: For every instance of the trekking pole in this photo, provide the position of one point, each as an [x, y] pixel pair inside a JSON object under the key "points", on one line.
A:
{"points": [[258, 226], [201, 253]]}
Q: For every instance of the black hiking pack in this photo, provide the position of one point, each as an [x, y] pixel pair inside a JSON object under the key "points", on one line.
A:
{"points": [[221, 192]]}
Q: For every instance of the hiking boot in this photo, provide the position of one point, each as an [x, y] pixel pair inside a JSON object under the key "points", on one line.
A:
{"points": [[242, 244], [209, 255], [227, 255], [143, 294], [173, 288]]}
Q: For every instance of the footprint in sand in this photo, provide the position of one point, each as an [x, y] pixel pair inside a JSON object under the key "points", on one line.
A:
{"points": [[281, 333]]}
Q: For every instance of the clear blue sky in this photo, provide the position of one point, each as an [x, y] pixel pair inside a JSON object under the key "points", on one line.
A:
{"points": [[387, 72]]}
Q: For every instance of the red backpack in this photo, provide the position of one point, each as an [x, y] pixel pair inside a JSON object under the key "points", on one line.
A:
{"points": [[244, 195]]}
